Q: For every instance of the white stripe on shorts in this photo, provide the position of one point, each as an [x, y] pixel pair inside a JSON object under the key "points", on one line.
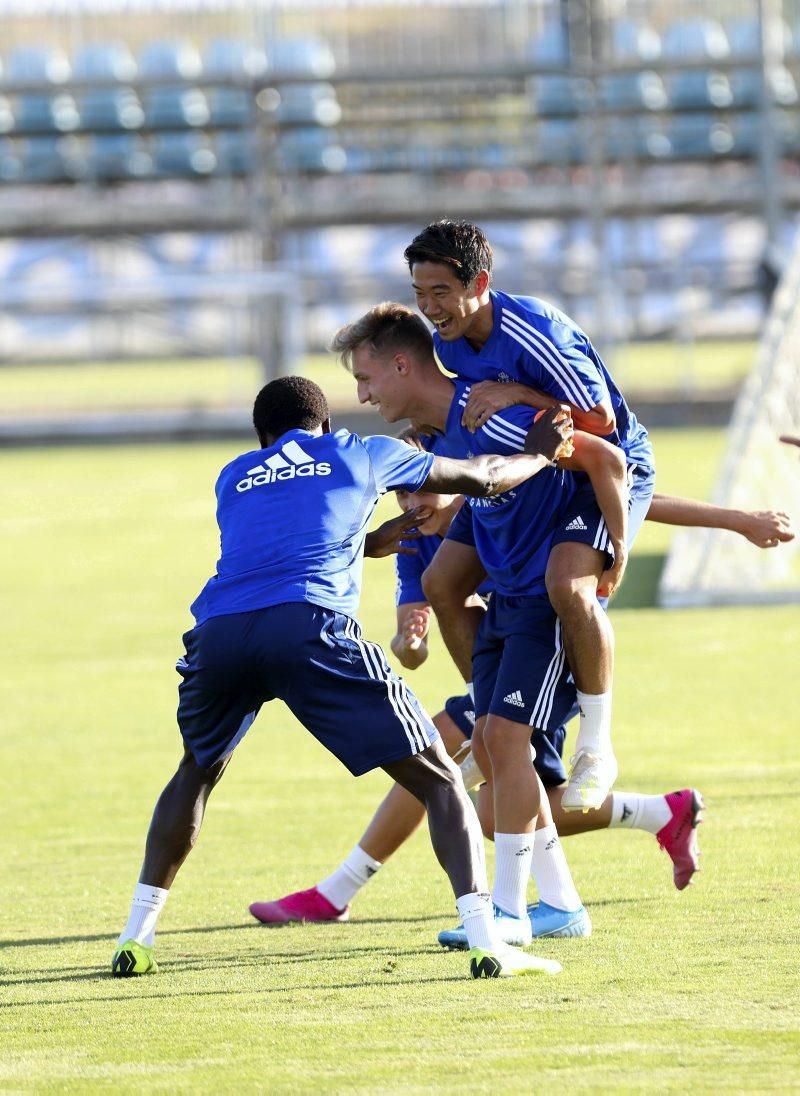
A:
{"points": [[544, 701]]}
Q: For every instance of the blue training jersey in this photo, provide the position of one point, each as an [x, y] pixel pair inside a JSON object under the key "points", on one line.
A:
{"points": [[410, 568], [293, 518], [535, 344], [513, 531]]}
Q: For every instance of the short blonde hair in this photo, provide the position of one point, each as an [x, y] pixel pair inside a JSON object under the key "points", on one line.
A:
{"points": [[386, 327]]}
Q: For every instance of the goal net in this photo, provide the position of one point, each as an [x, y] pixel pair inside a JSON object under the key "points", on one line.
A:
{"points": [[716, 567]]}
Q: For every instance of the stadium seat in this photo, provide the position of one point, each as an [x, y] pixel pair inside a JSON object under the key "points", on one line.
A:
{"points": [[10, 166], [558, 142], [745, 42], [633, 43], [233, 63], [46, 160], [116, 156], [697, 40], [236, 153], [698, 137], [184, 154], [311, 149], [300, 57], [553, 94], [172, 105], [47, 111], [308, 104], [107, 107]]}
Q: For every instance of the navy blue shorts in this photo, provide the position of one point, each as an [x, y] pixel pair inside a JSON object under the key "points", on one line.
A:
{"points": [[338, 685], [520, 672], [583, 521], [549, 745]]}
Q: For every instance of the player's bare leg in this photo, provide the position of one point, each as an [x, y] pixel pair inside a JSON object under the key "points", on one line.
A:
{"points": [[173, 831], [396, 819], [449, 582], [573, 571]]}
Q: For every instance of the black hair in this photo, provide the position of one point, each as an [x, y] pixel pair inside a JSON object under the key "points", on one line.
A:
{"points": [[288, 403], [457, 244]]}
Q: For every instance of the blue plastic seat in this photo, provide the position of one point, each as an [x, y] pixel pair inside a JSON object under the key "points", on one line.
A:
{"points": [[633, 43], [311, 149], [44, 160], [697, 40], [699, 137], [232, 59], [553, 94], [107, 107], [50, 110], [558, 142], [116, 156], [172, 105], [308, 104], [182, 154], [745, 41], [236, 153], [300, 57]]}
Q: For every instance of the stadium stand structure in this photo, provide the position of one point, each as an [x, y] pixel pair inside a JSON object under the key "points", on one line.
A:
{"points": [[648, 154], [714, 567]]}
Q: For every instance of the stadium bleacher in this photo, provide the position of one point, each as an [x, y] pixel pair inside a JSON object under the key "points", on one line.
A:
{"points": [[158, 118]]}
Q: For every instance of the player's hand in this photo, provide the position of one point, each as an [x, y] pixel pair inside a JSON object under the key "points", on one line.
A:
{"points": [[484, 399], [611, 579], [385, 540], [551, 433], [415, 628], [767, 528]]}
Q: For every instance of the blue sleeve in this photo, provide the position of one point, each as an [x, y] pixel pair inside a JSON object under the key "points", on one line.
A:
{"points": [[559, 361], [409, 579], [396, 464], [461, 527]]}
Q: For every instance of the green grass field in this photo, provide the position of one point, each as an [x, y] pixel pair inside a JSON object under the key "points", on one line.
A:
{"points": [[102, 551]]}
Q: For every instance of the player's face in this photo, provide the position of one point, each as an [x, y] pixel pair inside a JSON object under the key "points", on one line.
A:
{"points": [[443, 300], [380, 383], [443, 509]]}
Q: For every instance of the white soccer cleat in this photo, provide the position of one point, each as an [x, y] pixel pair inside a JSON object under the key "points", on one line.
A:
{"points": [[591, 778], [505, 962]]}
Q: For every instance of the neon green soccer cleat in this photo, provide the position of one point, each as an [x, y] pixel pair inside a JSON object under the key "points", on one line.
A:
{"points": [[132, 958], [505, 962]]}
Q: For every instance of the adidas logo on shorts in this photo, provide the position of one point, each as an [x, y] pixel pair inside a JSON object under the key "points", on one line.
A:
{"points": [[577, 525], [278, 467], [514, 698]]}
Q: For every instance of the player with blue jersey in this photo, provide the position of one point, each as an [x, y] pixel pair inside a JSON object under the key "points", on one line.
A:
{"points": [[521, 350], [277, 620], [390, 353]]}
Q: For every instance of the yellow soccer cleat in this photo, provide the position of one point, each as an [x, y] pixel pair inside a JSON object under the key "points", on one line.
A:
{"points": [[132, 958], [507, 962]]}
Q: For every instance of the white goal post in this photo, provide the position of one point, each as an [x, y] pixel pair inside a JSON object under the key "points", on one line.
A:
{"points": [[716, 567]]}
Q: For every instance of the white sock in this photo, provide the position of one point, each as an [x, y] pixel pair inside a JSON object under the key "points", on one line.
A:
{"points": [[148, 903], [550, 871], [594, 732], [477, 916], [341, 888], [639, 812], [513, 852], [471, 691]]}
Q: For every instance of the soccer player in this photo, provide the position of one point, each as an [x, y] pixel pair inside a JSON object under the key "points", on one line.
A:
{"points": [[390, 353], [399, 814], [520, 350], [277, 621]]}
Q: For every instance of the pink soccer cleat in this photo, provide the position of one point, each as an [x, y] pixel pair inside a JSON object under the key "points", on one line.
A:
{"points": [[679, 837], [307, 905]]}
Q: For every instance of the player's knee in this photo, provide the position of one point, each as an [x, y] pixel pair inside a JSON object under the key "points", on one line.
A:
{"points": [[436, 587], [570, 593]]}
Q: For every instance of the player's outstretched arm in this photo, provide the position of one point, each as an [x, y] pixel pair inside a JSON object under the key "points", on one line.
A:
{"points": [[409, 643], [487, 397], [605, 466], [764, 528], [492, 474]]}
